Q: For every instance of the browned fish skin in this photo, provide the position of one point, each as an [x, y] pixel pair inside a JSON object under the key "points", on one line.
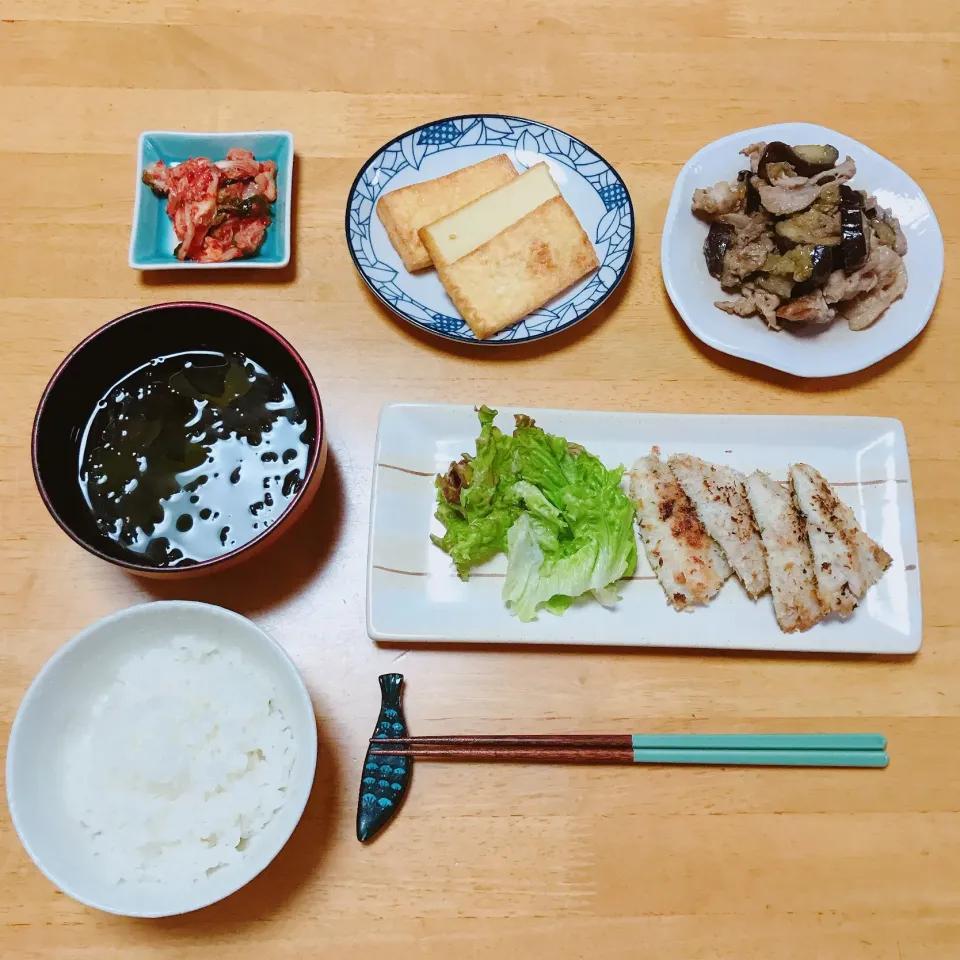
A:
{"points": [[689, 565], [846, 561], [721, 503], [789, 561]]}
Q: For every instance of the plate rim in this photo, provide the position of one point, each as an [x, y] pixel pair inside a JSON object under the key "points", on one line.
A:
{"points": [[796, 370], [487, 344], [911, 537], [255, 263]]}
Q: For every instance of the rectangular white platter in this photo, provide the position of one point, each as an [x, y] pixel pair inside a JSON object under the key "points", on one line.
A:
{"points": [[415, 596]]}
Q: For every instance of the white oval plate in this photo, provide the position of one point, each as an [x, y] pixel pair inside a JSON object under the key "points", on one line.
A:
{"points": [[415, 596], [595, 190], [837, 350]]}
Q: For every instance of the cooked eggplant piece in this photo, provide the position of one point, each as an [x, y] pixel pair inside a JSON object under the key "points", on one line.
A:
{"points": [[884, 232], [806, 267], [715, 246], [753, 198], [812, 226], [807, 160], [789, 264], [783, 287], [870, 207], [820, 259], [829, 199], [819, 155], [853, 236], [795, 264]]}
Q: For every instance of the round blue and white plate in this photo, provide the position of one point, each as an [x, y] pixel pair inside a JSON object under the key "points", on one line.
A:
{"points": [[594, 190]]}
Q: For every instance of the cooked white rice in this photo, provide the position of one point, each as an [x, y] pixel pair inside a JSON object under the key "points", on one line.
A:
{"points": [[179, 764]]}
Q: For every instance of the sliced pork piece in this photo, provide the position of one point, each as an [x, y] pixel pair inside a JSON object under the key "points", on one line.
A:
{"points": [[869, 290], [753, 152], [753, 300], [809, 309], [721, 198], [744, 257], [789, 561], [720, 500], [786, 194], [748, 226], [748, 248], [880, 269], [846, 561], [689, 564], [869, 307]]}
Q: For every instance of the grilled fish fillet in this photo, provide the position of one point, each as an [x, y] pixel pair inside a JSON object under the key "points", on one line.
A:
{"points": [[721, 503], [846, 561], [789, 561], [689, 564]]}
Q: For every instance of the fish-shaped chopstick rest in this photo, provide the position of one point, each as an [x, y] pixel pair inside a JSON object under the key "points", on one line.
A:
{"points": [[383, 784]]}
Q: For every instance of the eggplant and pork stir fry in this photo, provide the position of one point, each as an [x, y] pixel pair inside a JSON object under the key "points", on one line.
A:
{"points": [[797, 244]]}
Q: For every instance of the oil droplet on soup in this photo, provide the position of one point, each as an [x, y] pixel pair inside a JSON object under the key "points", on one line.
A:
{"points": [[178, 460]]}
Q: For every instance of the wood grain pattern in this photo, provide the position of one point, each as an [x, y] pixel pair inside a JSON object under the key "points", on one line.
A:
{"points": [[497, 861]]}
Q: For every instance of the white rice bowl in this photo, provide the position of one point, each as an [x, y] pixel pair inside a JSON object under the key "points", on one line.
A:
{"points": [[161, 759]]}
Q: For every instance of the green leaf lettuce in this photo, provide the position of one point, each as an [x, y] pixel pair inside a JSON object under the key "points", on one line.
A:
{"points": [[555, 510]]}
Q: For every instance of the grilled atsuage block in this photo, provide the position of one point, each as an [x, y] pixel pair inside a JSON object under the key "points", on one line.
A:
{"points": [[509, 252], [405, 210]]}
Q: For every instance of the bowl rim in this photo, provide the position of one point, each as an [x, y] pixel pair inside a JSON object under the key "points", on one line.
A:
{"points": [[278, 262], [678, 199], [36, 686], [281, 521]]}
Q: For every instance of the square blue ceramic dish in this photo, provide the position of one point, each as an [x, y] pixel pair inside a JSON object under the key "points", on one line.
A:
{"points": [[152, 239]]}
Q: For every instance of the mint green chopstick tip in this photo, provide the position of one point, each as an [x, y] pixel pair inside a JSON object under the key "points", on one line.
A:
{"points": [[764, 758], [760, 741]]}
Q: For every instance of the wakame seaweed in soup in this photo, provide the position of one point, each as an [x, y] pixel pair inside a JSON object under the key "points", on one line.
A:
{"points": [[193, 455]]}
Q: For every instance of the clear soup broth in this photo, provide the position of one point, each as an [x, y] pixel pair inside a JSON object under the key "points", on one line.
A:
{"points": [[193, 455]]}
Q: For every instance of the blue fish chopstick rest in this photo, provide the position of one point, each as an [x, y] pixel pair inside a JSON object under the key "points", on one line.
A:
{"points": [[384, 781]]}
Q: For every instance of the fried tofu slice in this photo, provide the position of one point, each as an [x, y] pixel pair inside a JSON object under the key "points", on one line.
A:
{"points": [[689, 565], [509, 252], [789, 560], [719, 497], [405, 210], [846, 561]]}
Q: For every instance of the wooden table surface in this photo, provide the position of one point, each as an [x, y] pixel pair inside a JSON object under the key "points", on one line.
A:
{"points": [[495, 861]]}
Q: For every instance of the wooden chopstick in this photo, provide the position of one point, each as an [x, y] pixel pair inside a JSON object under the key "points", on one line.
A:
{"points": [[622, 755], [586, 740], [794, 750], [648, 741], [484, 754]]}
